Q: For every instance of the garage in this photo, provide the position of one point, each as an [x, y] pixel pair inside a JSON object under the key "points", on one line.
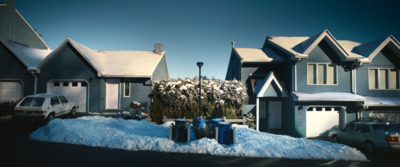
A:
{"points": [[321, 119], [10, 91], [74, 91]]}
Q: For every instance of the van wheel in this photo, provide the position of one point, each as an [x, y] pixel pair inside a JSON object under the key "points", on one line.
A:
{"points": [[73, 112], [50, 117], [369, 147]]}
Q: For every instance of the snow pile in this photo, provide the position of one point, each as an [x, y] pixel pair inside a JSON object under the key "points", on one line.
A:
{"points": [[141, 135]]}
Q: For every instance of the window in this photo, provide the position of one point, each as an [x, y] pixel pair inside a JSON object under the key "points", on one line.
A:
{"points": [[349, 128], [83, 84], [74, 84], [382, 78], [56, 83], [63, 99], [54, 101], [127, 88], [65, 83], [321, 74]]}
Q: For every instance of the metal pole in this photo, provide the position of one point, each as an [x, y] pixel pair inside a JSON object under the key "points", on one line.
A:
{"points": [[200, 64], [200, 91]]}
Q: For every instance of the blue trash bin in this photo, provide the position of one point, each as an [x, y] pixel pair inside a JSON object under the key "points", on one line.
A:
{"points": [[214, 124], [225, 133]]}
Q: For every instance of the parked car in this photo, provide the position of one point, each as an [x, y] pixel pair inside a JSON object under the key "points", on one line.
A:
{"points": [[369, 135], [44, 107]]}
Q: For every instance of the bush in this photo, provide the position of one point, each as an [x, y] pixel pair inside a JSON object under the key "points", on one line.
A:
{"points": [[250, 120], [178, 98], [7, 108]]}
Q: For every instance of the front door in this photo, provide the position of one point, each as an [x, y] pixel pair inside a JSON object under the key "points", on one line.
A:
{"points": [[274, 115], [112, 89]]}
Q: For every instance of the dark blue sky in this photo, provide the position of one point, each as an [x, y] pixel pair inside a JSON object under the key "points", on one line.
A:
{"points": [[203, 30]]}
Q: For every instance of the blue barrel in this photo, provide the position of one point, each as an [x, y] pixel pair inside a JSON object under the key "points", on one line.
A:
{"points": [[213, 124], [225, 133]]}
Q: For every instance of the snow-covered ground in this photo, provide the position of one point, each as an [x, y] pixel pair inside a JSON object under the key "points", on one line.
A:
{"points": [[100, 131]]}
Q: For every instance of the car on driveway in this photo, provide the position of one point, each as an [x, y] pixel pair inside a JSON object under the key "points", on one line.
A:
{"points": [[371, 136], [44, 107]]}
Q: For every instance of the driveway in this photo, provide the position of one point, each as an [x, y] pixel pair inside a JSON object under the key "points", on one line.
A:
{"points": [[18, 150]]}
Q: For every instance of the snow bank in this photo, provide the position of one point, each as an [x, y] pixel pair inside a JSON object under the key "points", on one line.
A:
{"points": [[141, 135]]}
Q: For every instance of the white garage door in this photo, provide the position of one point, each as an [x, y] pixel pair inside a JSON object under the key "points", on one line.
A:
{"points": [[10, 91], [321, 119], [74, 91]]}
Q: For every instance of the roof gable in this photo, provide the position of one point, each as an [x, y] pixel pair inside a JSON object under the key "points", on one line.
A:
{"points": [[270, 87], [370, 50]]}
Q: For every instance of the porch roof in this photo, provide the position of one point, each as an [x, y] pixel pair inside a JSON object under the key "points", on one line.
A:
{"points": [[382, 101], [327, 96]]}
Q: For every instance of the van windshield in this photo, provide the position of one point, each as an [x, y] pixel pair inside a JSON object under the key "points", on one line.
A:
{"points": [[32, 101]]}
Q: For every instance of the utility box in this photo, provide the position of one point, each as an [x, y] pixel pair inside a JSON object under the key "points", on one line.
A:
{"points": [[180, 132]]}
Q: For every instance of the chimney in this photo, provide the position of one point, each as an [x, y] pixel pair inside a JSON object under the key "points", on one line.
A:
{"points": [[158, 48], [233, 44]]}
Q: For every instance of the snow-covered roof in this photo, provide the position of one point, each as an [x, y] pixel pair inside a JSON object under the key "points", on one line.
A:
{"points": [[30, 57], [300, 47], [251, 55], [327, 96], [382, 101], [117, 63]]}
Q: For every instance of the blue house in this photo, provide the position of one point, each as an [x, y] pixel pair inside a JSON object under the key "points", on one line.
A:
{"points": [[21, 49], [101, 80], [307, 85]]}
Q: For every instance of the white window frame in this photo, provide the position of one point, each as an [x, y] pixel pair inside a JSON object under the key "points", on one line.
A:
{"points": [[326, 73], [129, 82], [377, 78], [323, 108]]}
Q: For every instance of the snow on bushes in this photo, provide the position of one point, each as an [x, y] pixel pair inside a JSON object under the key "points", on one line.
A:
{"points": [[178, 98]]}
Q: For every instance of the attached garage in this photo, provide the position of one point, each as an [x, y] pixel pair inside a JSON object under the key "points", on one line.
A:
{"points": [[10, 91], [75, 91], [321, 119]]}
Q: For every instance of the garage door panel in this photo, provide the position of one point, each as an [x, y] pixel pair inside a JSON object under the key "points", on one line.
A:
{"points": [[10, 91], [74, 93], [319, 122]]}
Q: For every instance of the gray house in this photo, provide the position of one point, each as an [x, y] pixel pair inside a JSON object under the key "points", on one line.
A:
{"points": [[307, 85], [21, 49], [102, 80]]}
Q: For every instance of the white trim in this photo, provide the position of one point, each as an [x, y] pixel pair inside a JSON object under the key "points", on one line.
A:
{"points": [[258, 114], [382, 45], [129, 82], [295, 77], [271, 77], [324, 34]]}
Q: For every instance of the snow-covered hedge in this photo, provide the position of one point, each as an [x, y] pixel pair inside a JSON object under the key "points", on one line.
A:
{"points": [[177, 98]]}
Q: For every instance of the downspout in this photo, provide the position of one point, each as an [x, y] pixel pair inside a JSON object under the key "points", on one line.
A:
{"points": [[257, 114], [295, 74], [35, 81]]}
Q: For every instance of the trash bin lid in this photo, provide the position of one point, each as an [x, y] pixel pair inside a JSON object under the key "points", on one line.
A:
{"points": [[180, 120], [217, 120], [224, 123]]}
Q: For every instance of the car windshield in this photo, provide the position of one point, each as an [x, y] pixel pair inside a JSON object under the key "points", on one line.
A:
{"points": [[387, 127], [32, 101]]}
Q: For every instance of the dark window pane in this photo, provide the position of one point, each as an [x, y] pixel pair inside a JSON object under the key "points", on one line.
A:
{"points": [[74, 84], [65, 83], [56, 83], [83, 84]]}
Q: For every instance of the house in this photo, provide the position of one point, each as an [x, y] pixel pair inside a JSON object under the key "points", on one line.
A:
{"points": [[95, 80], [101, 80], [307, 85], [21, 49]]}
